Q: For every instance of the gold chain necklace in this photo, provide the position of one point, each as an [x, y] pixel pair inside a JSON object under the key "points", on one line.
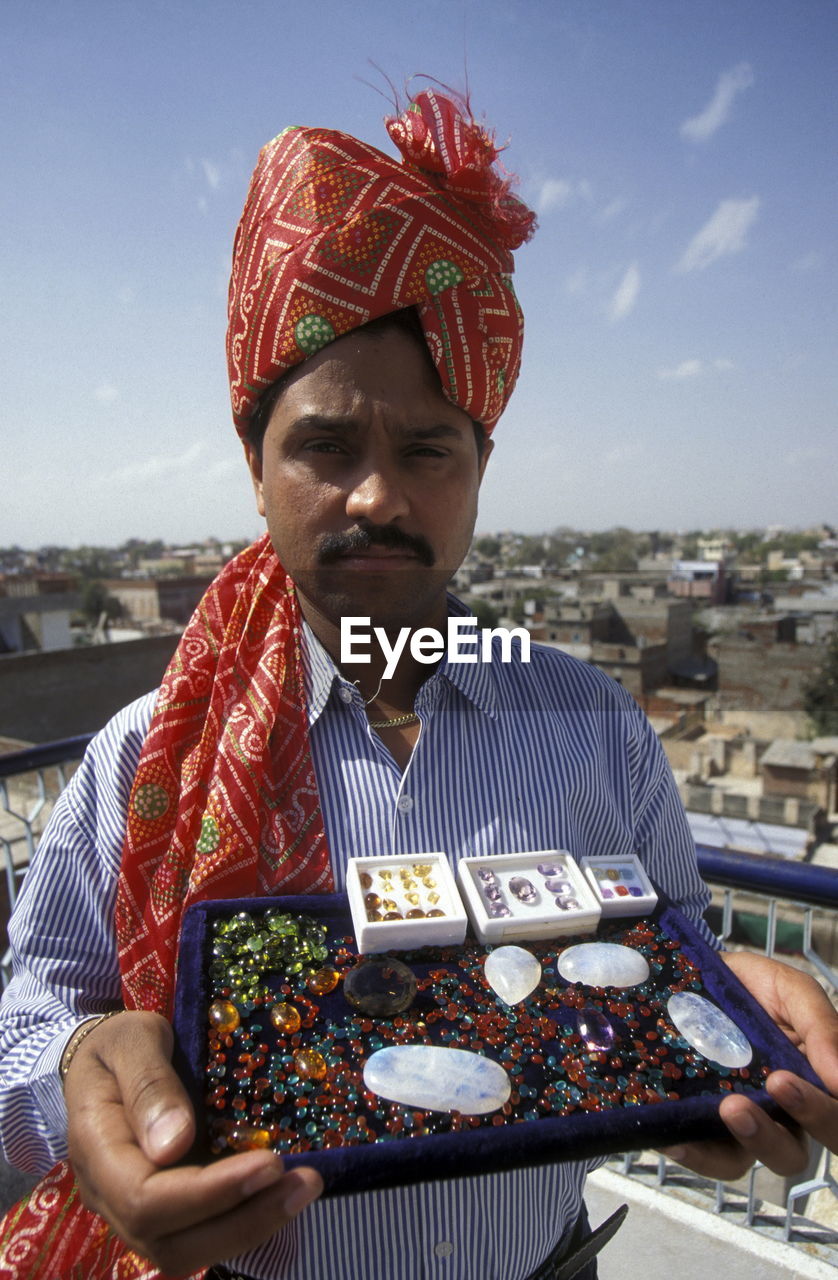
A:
{"points": [[410, 717]]}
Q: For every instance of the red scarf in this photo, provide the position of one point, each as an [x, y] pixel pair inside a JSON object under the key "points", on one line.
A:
{"points": [[224, 804]]}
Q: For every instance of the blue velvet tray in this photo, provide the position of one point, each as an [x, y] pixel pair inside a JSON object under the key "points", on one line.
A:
{"points": [[648, 1090]]}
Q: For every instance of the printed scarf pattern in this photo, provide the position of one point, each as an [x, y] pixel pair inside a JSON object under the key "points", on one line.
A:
{"points": [[224, 804]]}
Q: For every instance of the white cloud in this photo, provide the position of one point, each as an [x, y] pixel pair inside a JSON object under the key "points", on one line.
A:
{"points": [[625, 295], [723, 234], [106, 393], [808, 262], [557, 193], [693, 368], [612, 210], [576, 284], [212, 173], [730, 84], [686, 369], [157, 465]]}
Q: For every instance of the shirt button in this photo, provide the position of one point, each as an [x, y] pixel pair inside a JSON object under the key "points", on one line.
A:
{"points": [[404, 804], [344, 694], [444, 1249]]}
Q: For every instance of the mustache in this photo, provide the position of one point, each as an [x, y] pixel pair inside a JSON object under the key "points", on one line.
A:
{"points": [[333, 546]]}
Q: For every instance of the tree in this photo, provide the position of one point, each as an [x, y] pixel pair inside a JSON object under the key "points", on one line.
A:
{"points": [[95, 600], [820, 694]]}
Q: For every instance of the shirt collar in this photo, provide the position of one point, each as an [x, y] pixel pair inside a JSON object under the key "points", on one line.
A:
{"points": [[474, 680]]}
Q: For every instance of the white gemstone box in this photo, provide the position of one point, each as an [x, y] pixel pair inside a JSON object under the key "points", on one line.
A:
{"points": [[620, 885], [403, 903], [527, 895]]}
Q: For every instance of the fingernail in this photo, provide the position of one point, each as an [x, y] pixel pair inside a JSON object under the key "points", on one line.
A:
{"points": [[788, 1094], [264, 1177], [166, 1128], [299, 1198], [744, 1125]]}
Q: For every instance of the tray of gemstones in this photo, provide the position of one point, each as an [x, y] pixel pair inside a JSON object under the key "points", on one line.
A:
{"points": [[448, 1060]]}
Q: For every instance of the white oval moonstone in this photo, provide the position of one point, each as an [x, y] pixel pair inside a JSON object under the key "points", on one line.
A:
{"points": [[437, 1079], [512, 973], [704, 1026], [603, 964]]}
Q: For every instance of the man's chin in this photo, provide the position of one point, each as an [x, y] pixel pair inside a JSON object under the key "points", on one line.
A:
{"points": [[401, 597]]}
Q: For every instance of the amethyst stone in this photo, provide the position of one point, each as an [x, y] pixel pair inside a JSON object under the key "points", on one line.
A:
{"points": [[523, 889], [498, 909], [557, 885], [548, 869], [380, 986], [595, 1031]]}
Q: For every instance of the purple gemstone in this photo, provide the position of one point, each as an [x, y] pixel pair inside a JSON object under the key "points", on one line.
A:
{"points": [[558, 886], [492, 892], [635, 892], [496, 909], [487, 876], [606, 893], [548, 869], [596, 1032], [567, 904], [523, 889]]}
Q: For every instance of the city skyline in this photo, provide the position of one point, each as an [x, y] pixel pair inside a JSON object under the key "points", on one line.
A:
{"points": [[679, 369]]}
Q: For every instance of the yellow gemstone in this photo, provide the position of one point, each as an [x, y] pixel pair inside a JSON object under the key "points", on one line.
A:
{"points": [[286, 1018], [388, 904], [433, 897], [309, 1064], [415, 913], [429, 882], [323, 981], [365, 880], [435, 911], [245, 1138], [372, 901], [393, 915], [224, 1015], [421, 868], [413, 898]]}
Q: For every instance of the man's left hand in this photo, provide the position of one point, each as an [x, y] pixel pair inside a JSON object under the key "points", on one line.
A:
{"points": [[801, 1009]]}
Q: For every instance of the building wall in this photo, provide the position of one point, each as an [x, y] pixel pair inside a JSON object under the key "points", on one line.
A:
{"points": [[45, 696]]}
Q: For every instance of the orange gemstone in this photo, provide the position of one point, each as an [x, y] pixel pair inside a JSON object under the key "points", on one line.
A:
{"points": [[285, 1018], [323, 981], [309, 1064], [245, 1138], [224, 1015]]}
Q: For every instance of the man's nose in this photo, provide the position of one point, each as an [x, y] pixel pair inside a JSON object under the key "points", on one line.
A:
{"points": [[377, 495]]}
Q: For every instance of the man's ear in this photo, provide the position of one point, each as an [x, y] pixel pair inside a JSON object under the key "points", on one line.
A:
{"points": [[484, 458], [254, 464]]}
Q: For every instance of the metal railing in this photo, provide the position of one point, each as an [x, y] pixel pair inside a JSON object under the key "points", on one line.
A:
{"points": [[31, 780]]}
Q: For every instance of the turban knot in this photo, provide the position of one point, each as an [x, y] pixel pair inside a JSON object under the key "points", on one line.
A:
{"points": [[335, 233]]}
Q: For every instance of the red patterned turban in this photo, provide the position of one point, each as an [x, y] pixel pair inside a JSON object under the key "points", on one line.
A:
{"points": [[335, 233]]}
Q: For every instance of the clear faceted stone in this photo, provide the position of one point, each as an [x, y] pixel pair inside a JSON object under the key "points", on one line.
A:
{"points": [[523, 889], [512, 973], [497, 909], [595, 1030], [437, 1079], [603, 964], [704, 1026]]}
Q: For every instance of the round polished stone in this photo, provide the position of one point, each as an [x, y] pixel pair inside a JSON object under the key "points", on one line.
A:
{"points": [[704, 1026], [286, 1018], [602, 964], [310, 1065], [224, 1015], [323, 981], [523, 889], [512, 972], [437, 1079], [380, 986]]}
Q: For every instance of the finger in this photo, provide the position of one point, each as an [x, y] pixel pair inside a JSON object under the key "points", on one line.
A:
{"points": [[129, 1067], [721, 1160], [777, 1147], [241, 1229], [811, 1108]]}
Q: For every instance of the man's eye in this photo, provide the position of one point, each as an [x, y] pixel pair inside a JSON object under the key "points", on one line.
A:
{"points": [[322, 446]]}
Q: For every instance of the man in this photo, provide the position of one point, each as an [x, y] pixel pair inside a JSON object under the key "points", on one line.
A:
{"points": [[373, 342]]}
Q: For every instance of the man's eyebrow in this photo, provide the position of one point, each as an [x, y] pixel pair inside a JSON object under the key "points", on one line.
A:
{"points": [[339, 423]]}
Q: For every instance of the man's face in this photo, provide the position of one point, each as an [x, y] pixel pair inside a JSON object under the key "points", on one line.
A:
{"points": [[368, 479]]}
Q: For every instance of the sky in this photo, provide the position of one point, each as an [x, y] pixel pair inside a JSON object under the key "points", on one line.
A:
{"points": [[680, 366]]}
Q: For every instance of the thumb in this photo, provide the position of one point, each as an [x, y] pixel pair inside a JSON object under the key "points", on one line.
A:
{"points": [[135, 1049]]}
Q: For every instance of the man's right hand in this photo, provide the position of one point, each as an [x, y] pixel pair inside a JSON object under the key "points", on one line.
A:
{"points": [[130, 1122]]}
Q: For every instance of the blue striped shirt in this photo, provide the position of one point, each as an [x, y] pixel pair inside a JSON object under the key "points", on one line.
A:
{"points": [[510, 757]]}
